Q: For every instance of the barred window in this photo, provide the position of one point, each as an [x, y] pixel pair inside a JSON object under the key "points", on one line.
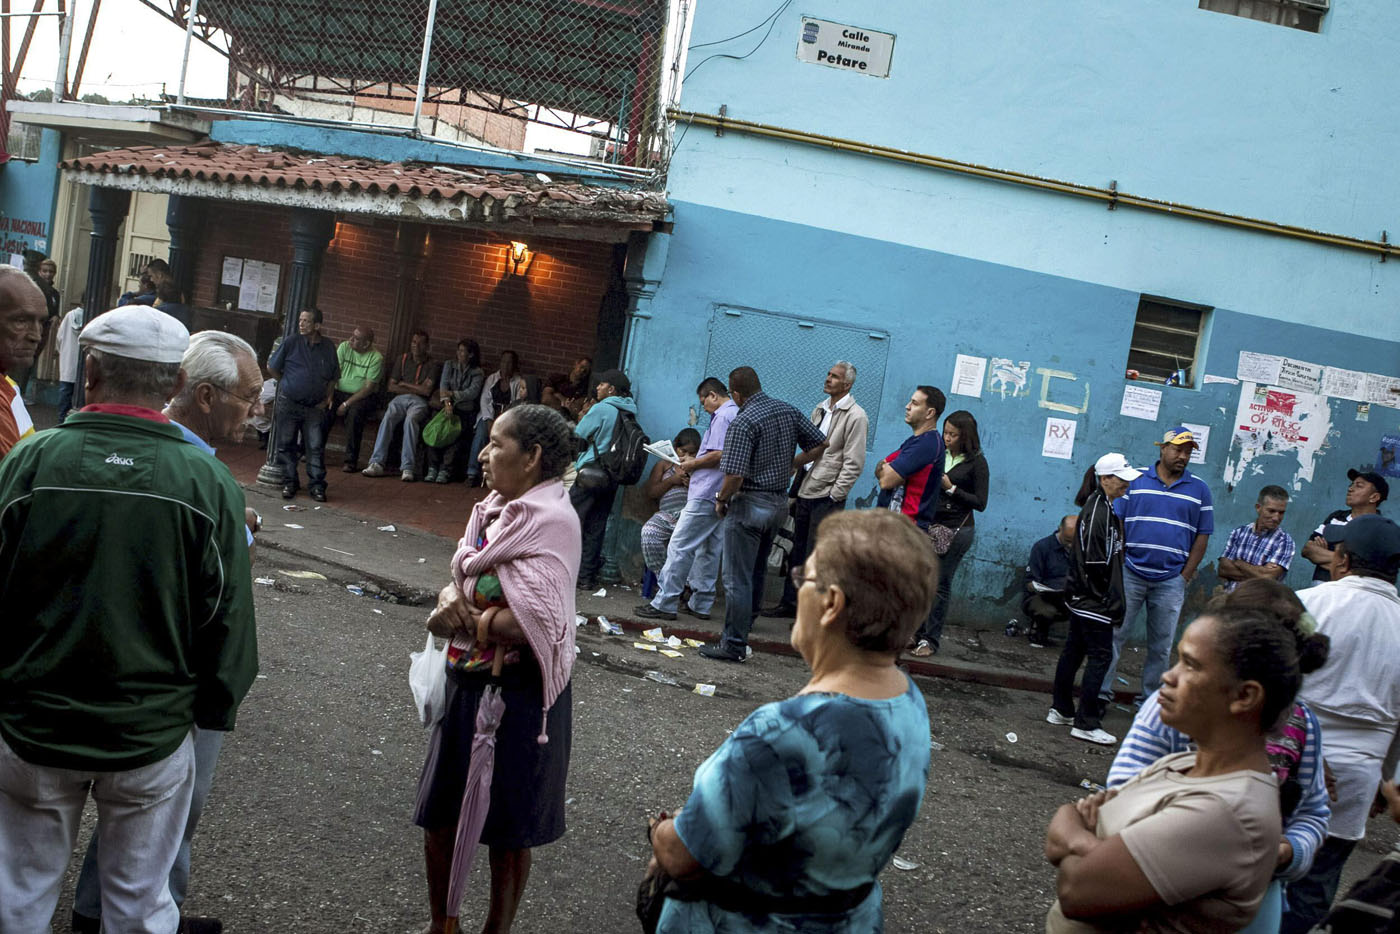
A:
{"points": [[1296, 14], [24, 140], [1167, 341]]}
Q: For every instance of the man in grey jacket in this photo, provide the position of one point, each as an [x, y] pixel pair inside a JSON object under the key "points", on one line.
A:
{"points": [[822, 487]]}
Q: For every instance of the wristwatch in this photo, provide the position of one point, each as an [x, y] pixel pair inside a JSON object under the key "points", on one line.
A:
{"points": [[257, 522]]}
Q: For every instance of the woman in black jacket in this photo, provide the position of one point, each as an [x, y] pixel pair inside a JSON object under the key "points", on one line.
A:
{"points": [[964, 490]]}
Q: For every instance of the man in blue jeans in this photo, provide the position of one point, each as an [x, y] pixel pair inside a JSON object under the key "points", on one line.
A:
{"points": [[1168, 516], [758, 465], [306, 370], [693, 553]]}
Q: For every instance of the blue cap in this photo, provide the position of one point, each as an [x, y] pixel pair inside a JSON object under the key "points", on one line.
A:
{"points": [[1372, 538]]}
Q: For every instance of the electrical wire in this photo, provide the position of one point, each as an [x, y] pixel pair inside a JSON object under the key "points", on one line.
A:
{"points": [[741, 35], [772, 21]]}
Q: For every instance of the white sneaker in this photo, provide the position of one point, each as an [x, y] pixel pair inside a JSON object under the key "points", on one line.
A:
{"points": [[1057, 718], [1101, 737], [407, 476]]}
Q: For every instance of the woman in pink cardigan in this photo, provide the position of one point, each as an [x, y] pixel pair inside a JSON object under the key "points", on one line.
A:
{"points": [[513, 584]]}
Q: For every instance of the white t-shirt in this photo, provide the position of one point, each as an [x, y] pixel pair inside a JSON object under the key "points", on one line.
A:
{"points": [[67, 341], [1207, 845]]}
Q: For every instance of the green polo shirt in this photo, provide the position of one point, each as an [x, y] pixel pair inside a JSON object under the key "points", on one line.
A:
{"points": [[356, 369]]}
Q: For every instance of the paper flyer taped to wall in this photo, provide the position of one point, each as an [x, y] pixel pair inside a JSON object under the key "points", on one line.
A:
{"points": [[1059, 438], [1259, 367], [1008, 375], [968, 374], [1140, 402]]}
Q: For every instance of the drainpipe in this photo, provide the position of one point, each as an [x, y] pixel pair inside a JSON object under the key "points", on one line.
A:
{"points": [[65, 44], [423, 63], [185, 62]]}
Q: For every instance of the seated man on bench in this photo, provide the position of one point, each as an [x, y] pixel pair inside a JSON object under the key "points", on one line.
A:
{"points": [[412, 384]]}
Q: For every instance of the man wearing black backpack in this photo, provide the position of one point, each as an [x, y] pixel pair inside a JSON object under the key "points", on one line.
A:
{"points": [[611, 442]]}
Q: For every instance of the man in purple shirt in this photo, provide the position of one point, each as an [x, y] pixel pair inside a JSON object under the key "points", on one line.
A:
{"points": [[694, 552]]}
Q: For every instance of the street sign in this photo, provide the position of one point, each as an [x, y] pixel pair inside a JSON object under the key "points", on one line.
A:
{"points": [[849, 48]]}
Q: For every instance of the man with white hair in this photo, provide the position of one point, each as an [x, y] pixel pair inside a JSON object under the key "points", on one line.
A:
{"points": [[222, 381], [23, 313], [128, 622], [822, 486]]}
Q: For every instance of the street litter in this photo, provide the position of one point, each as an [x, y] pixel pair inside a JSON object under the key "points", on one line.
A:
{"points": [[705, 690], [644, 646], [577, 650], [1121, 680], [601, 592], [387, 528], [626, 690], [936, 746], [670, 653], [693, 643], [674, 642], [290, 507], [422, 560], [1090, 785], [906, 864], [263, 580], [1011, 737], [654, 635], [293, 525], [262, 677], [348, 554], [375, 752], [305, 575], [597, 654], [356, 590], [659, 677], [1123, 708], [571, 801], [580, 620], [380, 612], [608, 627]]}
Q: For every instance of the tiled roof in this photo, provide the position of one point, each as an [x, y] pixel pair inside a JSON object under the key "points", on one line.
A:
{"points": [[484, 194]]}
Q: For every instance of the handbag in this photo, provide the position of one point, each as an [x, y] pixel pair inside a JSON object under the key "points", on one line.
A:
{"points": [[427, 678], [442, 429], [942, 536]]}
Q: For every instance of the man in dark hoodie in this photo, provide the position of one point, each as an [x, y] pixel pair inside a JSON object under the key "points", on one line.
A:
{"points": [[1095, 600]]}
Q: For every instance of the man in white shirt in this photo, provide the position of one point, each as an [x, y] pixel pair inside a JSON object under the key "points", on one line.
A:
{"points": [[67, 343], [1355, 695]]}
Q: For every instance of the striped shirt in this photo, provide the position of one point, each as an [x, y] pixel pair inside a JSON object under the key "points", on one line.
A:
{"points": [[1161, 522], [15, 423], [1249, 546], [1150, 739]]}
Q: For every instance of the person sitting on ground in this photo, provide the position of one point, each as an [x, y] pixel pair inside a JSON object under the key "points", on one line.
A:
{"points": [[1047, 576], [759, 849], [459, 392], [1094, 597], [667, 484], [1294, 747], [1131, 858], [512, 591], [1259, 549], [414, 381]]}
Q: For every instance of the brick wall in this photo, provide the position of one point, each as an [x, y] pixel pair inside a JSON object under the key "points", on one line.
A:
{"points": [[549, 315]]}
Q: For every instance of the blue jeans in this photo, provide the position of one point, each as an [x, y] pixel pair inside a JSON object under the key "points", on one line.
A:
{"points": [[692, 557], [411, 412], [1163, 600], [87, 897], [480, 435], [752, 518], [292, 417], [65, 400], [932, 629]]}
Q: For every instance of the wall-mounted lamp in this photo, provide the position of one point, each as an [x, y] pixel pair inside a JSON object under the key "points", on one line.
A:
{"points": [[518, 257]]}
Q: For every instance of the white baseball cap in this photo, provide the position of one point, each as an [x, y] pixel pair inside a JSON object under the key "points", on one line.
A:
{"points": [[137, 332], [1117, 465]]}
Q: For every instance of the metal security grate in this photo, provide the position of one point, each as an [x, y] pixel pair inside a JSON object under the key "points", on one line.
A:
{"points": [[792, 355]]}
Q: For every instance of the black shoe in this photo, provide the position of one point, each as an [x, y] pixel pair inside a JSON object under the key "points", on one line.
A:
{"points": [[318, 493], [587, 585], [685, 608], [351, 467], [82, 924], [781, 611], [289, 490], [647, 611], [720, 654], [194, 925]]}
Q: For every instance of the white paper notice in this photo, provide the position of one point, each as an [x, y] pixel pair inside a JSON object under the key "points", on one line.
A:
{"points": [[1139, 402], [1344, 384], [1259, 367], [233, 271], [248, 286], [267, 288], [1383, 390], [1299, 376], [1202, 433], [968, 375], [1059, 438], [1228, 380]]}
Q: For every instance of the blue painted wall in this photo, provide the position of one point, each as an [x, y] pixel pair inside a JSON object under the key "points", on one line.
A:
{"points": [[27, 194]]}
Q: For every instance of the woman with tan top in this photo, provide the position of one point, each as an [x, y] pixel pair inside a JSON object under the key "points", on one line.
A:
{"points": [[1132, 859]]}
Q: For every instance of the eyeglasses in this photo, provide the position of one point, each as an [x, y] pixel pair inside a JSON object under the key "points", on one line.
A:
{"points": [[252, 403], [799, 576]]}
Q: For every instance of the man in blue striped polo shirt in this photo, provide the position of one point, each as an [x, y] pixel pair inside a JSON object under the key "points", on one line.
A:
{"points": [[1168, 516]]}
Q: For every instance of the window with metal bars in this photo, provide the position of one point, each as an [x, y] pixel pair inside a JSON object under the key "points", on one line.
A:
{"points": [[1296, 14], [24, 141], [1166, 341]]}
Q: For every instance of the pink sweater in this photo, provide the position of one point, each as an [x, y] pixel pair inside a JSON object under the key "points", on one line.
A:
{"points": [[534, 550]]}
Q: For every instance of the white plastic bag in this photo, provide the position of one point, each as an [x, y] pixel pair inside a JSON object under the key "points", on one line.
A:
{"points": [[427, 676]]}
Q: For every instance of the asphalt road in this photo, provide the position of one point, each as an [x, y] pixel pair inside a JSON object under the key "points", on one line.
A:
{"points": [[309, 826]]}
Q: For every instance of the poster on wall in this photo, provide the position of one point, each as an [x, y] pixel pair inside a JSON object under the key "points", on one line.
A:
{"points": [[1388, 460], [1344, 384], [1139, 402], [1299, 376], [968, 374], [1259, 367], [1059, 438], [1007, 374], [1271, 421], [1202, 435], [1382, 390]]}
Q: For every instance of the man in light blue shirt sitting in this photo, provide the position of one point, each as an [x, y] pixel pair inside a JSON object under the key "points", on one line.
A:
{"points": [[694, 551]]}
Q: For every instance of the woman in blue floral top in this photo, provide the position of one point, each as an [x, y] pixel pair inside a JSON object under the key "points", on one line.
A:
{"points": [[792, 819]]}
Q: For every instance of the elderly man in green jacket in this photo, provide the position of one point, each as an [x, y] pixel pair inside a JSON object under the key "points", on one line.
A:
{"points": [[128, 622]]}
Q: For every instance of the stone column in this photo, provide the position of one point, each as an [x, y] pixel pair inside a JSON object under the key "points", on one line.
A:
{"points": [[412, 246], [184, 217], [312, 231], [108, 207]]}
